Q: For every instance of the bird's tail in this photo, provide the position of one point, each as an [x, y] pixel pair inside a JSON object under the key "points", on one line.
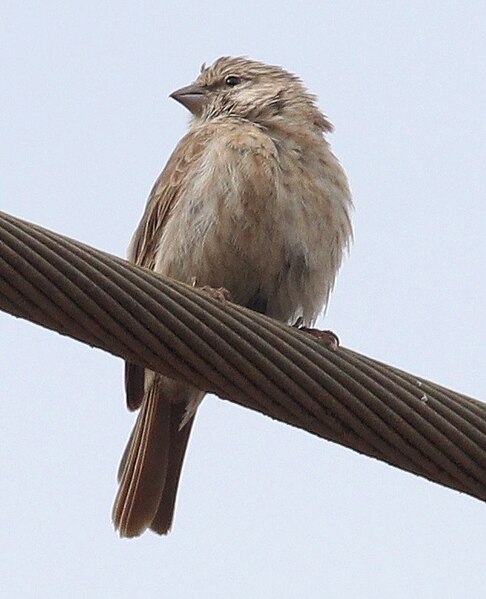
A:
{"points": [[151, 465]]}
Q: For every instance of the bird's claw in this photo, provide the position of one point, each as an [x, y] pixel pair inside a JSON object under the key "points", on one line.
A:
{"points": [[328, 338], [220, 294]]}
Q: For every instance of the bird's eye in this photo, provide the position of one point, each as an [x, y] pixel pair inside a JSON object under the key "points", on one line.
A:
{"points": [[232, 80]]}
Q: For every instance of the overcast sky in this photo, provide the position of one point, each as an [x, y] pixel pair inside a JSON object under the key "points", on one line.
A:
{"points": [[264, 510]]}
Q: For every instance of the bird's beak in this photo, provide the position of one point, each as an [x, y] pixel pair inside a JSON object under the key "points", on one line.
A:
{"points": [[193, 97]]}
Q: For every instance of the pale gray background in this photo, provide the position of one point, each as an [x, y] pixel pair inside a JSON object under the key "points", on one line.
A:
{"points": [[264, 510]]}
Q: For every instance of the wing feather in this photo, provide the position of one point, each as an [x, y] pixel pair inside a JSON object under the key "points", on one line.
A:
{"points": [[162, 199], [143, 246]]}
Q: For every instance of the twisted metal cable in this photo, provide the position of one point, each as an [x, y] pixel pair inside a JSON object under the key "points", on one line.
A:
{"points": [[242, 356]]}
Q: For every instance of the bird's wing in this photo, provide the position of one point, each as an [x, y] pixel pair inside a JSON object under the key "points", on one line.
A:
{"points": [[165, 193], [143, 247]]}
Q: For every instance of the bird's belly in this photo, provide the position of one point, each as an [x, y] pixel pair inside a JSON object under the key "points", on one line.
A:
{"points": [[265, 262]]}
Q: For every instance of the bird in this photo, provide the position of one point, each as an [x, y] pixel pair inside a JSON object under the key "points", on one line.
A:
{"points": [[252, 201]]}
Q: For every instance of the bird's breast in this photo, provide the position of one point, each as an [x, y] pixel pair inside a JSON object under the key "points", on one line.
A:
{"points": [[263, 228]]}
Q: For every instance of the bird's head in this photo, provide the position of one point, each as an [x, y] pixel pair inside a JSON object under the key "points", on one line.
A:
{"points": [[251, 90]]}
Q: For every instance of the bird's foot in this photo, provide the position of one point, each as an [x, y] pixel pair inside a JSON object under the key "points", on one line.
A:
{"points": [[220, 294], [328, 338]]}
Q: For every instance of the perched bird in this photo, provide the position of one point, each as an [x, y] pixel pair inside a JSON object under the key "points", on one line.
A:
{"points": [[252, 200]]}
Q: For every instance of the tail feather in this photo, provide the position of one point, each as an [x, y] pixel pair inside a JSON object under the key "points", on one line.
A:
{"points": [[145, 467], [179, 438], [124, 458], [151, 464]]}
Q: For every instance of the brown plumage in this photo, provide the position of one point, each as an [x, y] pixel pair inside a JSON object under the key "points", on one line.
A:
{"points": [[252, 200]]}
